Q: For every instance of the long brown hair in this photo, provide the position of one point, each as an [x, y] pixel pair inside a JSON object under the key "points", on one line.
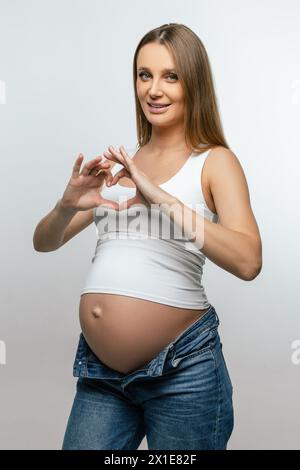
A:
{"points": [[202, 123]]}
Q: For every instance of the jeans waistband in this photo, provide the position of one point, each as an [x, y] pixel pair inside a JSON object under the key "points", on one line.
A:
{"points": [[208, 320]]}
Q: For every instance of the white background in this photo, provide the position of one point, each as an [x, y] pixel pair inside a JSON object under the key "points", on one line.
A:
{"points": [[67, 72]]}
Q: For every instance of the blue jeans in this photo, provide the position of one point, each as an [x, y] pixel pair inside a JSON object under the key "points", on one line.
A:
{"points": [[181, 399]]}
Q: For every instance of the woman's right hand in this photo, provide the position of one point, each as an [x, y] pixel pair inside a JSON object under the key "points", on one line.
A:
{"points": [[83, 189]]}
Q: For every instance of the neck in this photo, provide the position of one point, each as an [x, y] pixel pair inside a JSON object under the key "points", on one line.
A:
{"points": [[163, 140]]}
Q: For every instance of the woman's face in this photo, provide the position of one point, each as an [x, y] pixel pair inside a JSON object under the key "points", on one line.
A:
{"points": [[157, 84]]}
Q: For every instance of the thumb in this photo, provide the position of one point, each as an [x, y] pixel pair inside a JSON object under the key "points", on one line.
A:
{"points": [[108, 178], [120, 174]]}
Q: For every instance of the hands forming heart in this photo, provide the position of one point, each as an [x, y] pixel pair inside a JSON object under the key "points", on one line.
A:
{"points": [[145, 190], [82, 191]]}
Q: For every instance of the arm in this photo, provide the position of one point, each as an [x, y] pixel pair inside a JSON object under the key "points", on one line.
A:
{"points": [[234, 244], [74, 211], [49, 232]]}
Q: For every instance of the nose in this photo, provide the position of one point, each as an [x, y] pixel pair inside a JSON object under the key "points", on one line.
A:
{"points": [[154, 89]]}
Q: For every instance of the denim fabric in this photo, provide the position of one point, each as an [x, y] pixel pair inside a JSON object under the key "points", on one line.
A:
{"points": [[181, 399]]}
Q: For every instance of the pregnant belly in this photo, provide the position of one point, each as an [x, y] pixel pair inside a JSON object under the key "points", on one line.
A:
{"points": [[127, 332]]}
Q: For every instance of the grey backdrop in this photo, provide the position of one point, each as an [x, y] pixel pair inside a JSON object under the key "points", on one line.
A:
{"points": [[66, 87]]}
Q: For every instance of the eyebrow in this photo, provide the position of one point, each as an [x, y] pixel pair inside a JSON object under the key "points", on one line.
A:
{"points": [[164, 70]]}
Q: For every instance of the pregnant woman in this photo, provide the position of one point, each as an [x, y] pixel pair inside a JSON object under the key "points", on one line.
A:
{"points": [[149, 360]]}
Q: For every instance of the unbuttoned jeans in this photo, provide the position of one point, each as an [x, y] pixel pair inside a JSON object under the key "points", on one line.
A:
{"points": [[181, 399]]}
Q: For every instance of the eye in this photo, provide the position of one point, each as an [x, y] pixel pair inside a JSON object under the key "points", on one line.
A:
{"points": [[173, 76]]}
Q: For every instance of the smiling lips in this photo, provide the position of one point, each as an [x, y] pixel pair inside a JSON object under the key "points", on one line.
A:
{"points": [[158, 109], [157, 105]]}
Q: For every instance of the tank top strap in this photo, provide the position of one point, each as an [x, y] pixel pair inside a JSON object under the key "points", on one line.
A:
{"points": [[193, 175]]}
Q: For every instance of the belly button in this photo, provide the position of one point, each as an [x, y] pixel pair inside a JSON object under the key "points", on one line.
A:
{"points": [[97, 312]]}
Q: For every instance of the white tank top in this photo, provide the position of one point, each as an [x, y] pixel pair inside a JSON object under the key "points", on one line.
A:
{"points": [[140, 254]]}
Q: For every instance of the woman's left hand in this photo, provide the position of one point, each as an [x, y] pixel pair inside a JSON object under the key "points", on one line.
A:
{"points": [[146, 192]]}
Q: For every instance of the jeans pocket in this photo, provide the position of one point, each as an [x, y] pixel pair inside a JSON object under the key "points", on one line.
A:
{"points": [[196, 346], [226, 369]]}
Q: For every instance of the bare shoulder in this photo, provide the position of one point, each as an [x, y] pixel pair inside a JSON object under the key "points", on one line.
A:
{"points": [[223, 165], [220, 157], [229, 188]]}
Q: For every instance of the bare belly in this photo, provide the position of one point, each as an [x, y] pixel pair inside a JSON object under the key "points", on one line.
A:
{"points": [[127, 332]]}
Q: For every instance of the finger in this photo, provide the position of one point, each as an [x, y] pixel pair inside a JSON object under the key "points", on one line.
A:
{"points": [[99, 168], [120, 174], [125, 154], [103, 173], [111, 157], [128, 161], [77, 165], [128, 203], [90, 165], [109, 203], [116, 154], [99, 171], [108, 178]]}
